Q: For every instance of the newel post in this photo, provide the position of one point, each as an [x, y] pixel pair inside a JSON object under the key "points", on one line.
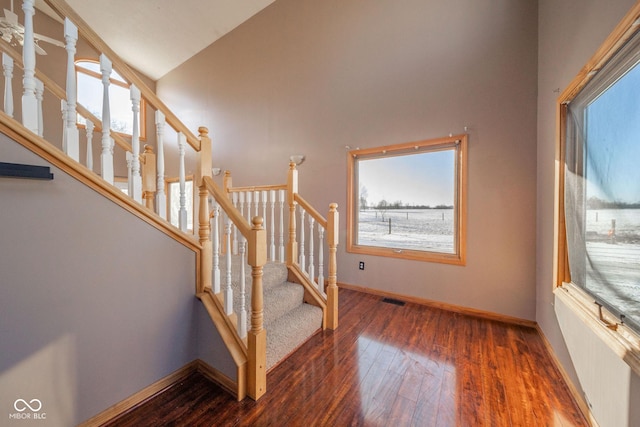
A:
{"points": [[204, 171], [257, 337], [333, 224], [227, 182], [203, 283], [292, 189], [148, 176]]}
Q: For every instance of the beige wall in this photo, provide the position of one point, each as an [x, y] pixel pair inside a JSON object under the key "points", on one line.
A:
{"points": [[311, 77], [569, 34], [95, 304]]}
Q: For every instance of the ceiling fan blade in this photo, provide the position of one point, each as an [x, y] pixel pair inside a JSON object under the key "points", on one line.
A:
{"points": [[40, 37], [11, 17]]}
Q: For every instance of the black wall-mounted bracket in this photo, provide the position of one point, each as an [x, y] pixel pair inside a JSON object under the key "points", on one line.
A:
{"points": [[16, 170]]}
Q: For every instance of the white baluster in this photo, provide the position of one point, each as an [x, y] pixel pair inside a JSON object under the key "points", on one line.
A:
{"points": [[311, 270], [240, 205], [235, 197], [182, 213], [216, 247], [39, 97], [228, 291], [29, 101], [256, 203], [248, 196], [7, 68], [281, 195], [321, 258], [129, 158], [63, 108], [161, 197], [106, 156], [301, 255], [89, 127], [242, 311], [135, 146], [263, 200], [73, 138], [272, 230]]}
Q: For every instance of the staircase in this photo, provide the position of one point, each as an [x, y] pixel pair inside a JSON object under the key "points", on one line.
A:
{"points": [[287, 318], [262, 310]]}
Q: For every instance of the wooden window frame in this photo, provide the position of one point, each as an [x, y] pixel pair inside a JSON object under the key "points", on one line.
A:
{"points": [[143, 105], [460, 200], [624, 341]]}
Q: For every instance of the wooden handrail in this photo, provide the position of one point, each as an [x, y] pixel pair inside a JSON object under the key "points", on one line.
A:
{"points": [[60, 93], [14, 130], [310, 210], [65, 11], [238, 220]]}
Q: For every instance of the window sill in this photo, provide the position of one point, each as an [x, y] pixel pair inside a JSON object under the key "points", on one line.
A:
{"points": [[624, 341], [437, 257]]}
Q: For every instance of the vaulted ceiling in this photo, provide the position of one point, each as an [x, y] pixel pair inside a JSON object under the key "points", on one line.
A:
{"points": [[155, 36]]}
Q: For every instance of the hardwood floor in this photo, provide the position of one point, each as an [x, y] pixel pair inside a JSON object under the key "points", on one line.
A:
{"points": [[389, 365]]}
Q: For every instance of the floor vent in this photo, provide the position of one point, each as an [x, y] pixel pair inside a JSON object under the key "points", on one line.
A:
{"points": [[393, 301]]}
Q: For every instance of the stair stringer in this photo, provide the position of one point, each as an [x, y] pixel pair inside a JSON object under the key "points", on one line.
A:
{"points": [[228, 332], [311, 294]]}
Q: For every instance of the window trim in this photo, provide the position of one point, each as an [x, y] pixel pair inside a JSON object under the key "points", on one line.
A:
{"points": [[623, 341], [460, 240], [143, 105]]}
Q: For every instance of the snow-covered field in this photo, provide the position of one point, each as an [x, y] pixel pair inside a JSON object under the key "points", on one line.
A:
{"points": [[617, 260], [417, 229]]}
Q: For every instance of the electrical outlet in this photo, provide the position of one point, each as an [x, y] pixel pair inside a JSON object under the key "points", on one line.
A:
{"points": [[361, 265]]}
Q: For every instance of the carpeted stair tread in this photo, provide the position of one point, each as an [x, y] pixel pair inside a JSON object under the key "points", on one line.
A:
{"points": [[289, 331], [273, 273], [281, 299], [288, 320]]}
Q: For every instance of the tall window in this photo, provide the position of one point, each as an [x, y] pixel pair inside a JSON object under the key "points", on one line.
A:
{"points": [[408, 200], [602, 186], [90, 89]]}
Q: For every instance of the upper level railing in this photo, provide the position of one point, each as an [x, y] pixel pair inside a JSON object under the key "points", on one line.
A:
{"points": [[120, 158]]}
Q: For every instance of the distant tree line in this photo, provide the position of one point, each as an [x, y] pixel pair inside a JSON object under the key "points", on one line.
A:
{"points": [[398, 204], [596, 203]]}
